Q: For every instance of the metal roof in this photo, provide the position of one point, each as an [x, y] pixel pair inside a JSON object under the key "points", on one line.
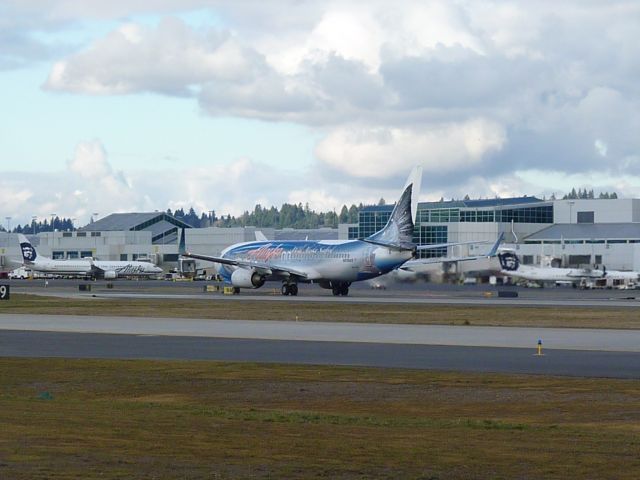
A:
{"points": [[483, 203], [129, 221], [588, 231]]}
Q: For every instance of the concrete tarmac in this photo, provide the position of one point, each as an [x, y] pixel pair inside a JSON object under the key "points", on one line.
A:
{"points": [[506, 337], [575, 352], [474, 359], [360, 292]]}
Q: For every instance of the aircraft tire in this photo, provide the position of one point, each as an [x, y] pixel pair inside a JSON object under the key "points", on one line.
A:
{"points": [[285, 289], [336, 291], [293, 289], [345, 291]]}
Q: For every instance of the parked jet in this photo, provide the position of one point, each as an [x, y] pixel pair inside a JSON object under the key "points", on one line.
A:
{"points": [[332, 264], [85, 267], [422, 267], [511, 266]]}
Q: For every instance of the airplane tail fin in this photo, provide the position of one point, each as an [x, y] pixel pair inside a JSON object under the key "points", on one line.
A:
{"points": [[260, 237], [29, 253], [494, 249], [398, 232], [182, 249]]}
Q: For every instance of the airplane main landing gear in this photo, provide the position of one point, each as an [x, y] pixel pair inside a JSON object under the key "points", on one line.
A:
{"points": [[289, 289], [340, 289]]}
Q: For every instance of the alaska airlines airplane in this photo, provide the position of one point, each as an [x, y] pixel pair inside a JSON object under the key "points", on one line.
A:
{"points": [[511, 266], [413, 269], [85, 267], [332, 264]]}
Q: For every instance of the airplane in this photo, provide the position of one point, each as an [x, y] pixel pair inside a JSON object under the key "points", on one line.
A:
{"points": [[332, 264], [414, 269], [107, 269], [511, 266]]}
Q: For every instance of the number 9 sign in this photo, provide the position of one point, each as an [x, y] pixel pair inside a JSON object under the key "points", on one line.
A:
{"points": [[4, 292]]}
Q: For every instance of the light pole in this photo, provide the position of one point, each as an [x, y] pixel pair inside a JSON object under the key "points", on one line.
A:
{"points": [[8, 228]]}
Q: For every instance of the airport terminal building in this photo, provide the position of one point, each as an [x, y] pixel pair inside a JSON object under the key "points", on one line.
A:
{"points": [[576, 233], [573, 233]]}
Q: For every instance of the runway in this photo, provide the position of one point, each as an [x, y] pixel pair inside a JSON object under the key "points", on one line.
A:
{"points": [[360, 293], [575, 352], [431, 357], [473, 336], [490, 302]]}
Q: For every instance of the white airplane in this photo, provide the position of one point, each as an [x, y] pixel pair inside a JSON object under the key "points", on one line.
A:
{"points": [[414, 269], [332, 264], [85, 267], [511, 266]]}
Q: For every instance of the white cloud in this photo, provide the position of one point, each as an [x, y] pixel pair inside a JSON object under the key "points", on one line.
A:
{"points": [[479, 90], [385, 152], [90, 160], [170, 59]]}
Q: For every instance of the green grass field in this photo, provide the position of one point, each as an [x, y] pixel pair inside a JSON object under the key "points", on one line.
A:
{"points": [[100, 419], [587, 317], [68, 419]]}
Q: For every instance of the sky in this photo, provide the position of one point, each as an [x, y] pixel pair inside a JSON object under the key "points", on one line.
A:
{"points": [[144, 105]]}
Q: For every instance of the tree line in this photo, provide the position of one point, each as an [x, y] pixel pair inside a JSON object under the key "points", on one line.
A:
{"points": [[287, 216], [587, 194], [60, 224]]}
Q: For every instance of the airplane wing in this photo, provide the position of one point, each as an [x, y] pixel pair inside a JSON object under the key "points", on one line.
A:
{"points": [[425, 261], [451, 244], [260, 267]]}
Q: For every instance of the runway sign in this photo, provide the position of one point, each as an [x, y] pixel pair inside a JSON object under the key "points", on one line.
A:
{"points": [[4, 292]]}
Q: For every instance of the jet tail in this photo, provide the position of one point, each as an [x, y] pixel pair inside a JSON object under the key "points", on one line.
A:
{"points": [[182, 249], [29, 253], [398, 232], [494, 249]]}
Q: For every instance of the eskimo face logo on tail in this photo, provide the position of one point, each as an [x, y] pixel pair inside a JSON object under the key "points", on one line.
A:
{"points": [[28, 252], [509, 261]]}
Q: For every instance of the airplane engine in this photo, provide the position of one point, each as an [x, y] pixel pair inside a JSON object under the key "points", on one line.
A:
{"points": [[110, 275], [247, 278]]}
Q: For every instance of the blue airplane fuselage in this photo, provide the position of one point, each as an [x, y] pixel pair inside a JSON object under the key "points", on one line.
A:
{"points": [[330, 260]]}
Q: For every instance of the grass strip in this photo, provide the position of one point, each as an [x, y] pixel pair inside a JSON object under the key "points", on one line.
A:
{"points": [[571, 317], [161, 419]]}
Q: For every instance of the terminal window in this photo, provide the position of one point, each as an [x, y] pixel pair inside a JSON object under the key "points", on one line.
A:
{"points": [[585, 217], [430, 235], [371, 222]]}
